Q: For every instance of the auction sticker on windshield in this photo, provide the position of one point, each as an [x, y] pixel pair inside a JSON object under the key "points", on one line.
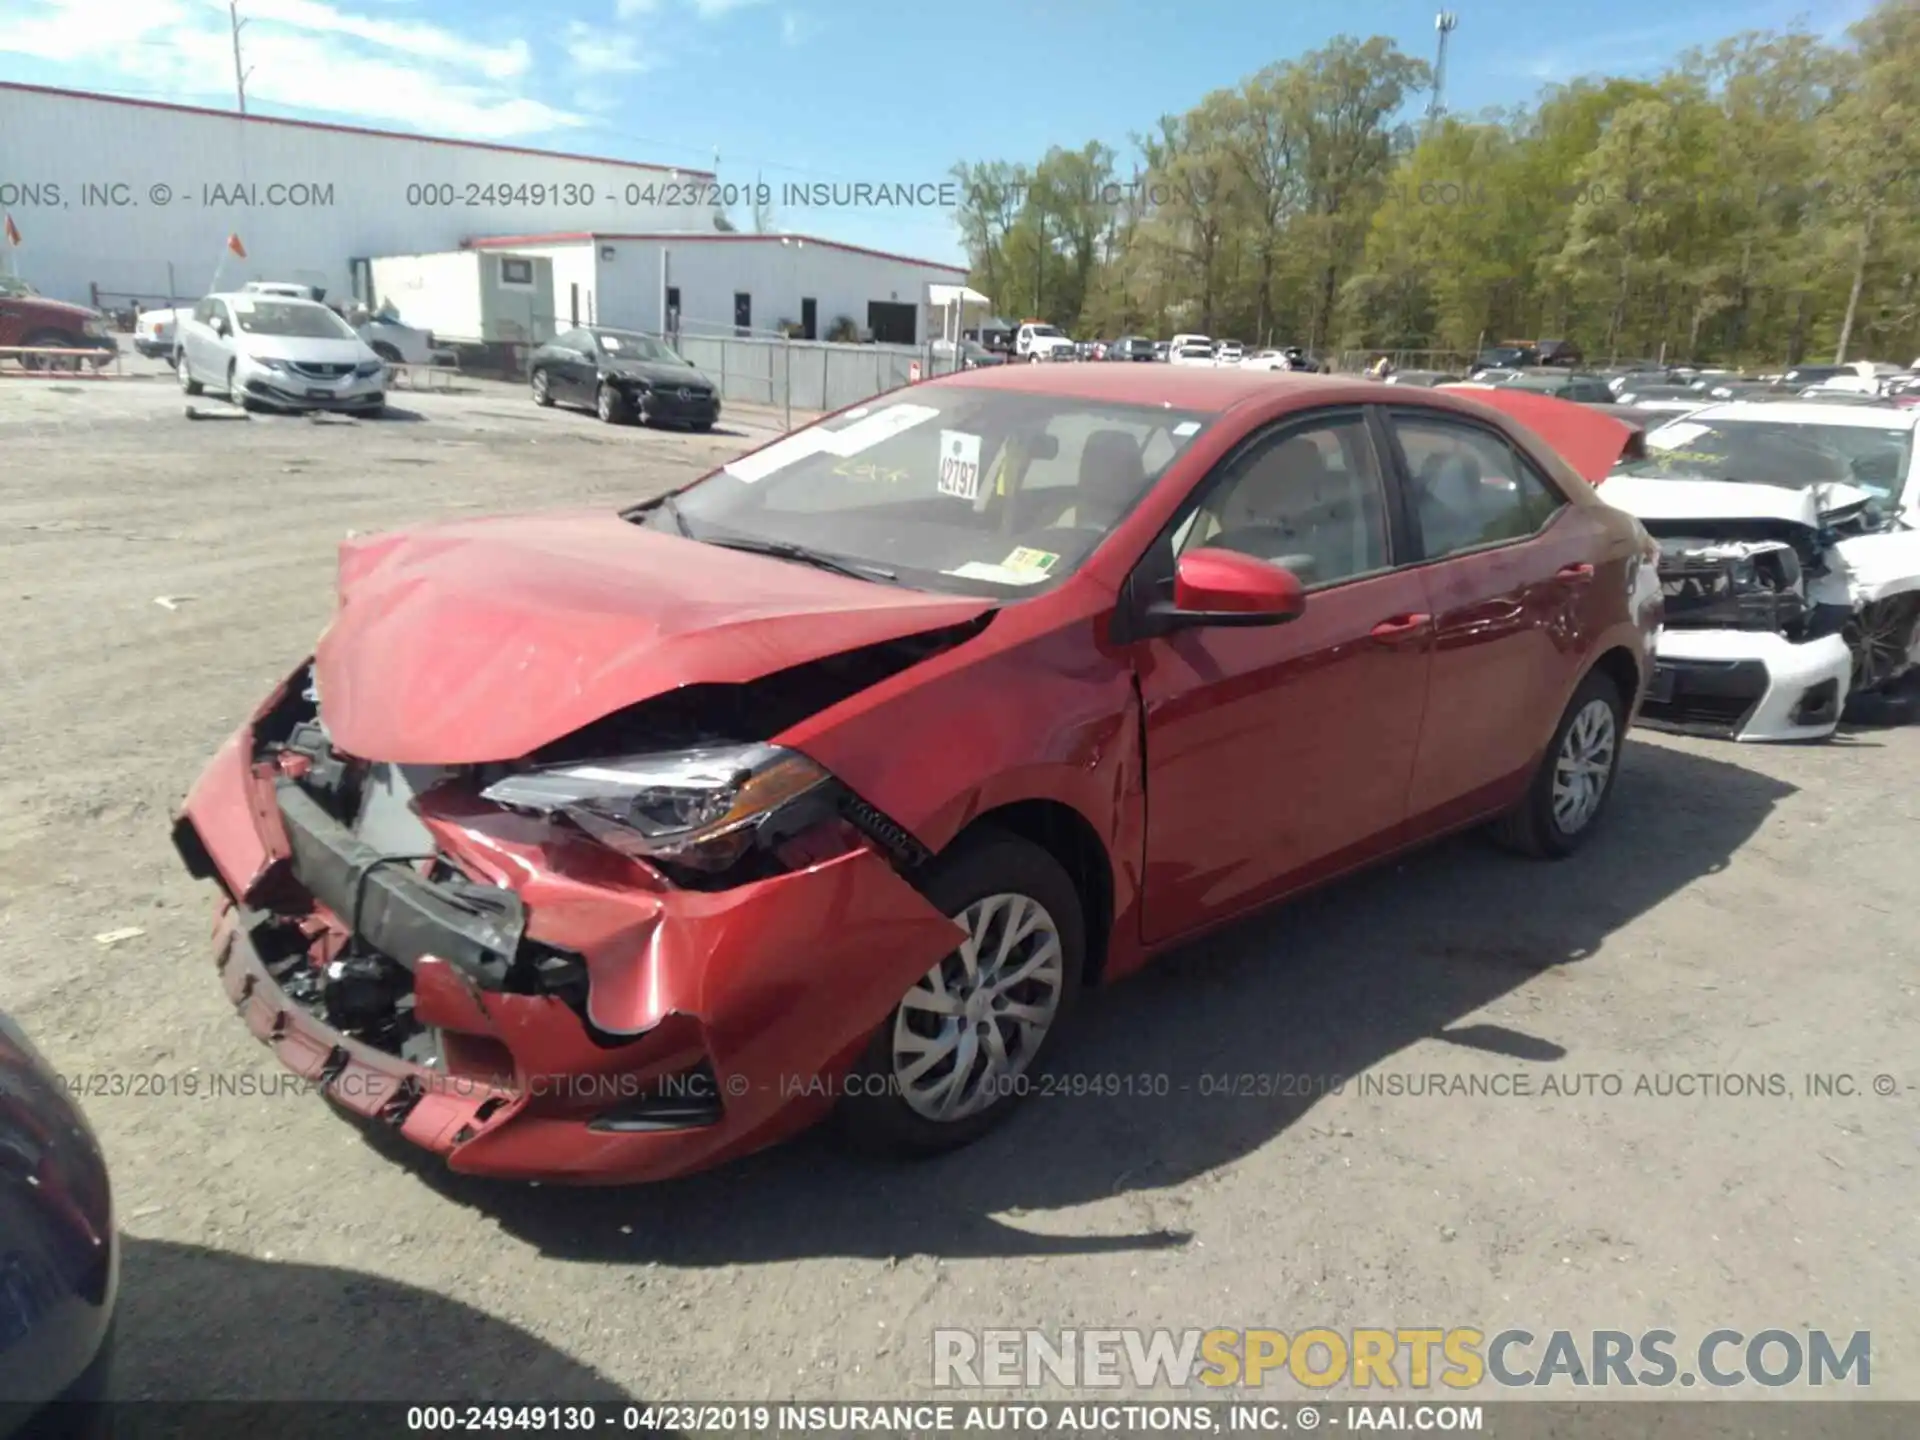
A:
{"points": [[883, 424], [869, 432], [960, 464], [1023, 567]]}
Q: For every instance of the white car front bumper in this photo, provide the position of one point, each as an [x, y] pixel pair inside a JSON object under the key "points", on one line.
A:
{"points": [[296, 390], [1747, 684]]}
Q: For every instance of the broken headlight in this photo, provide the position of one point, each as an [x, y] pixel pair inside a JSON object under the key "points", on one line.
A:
{"points": [[700, 808]]}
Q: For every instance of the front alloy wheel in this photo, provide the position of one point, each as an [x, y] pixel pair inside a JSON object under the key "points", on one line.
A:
{"points": [[967, 1032], [956, 1054], [1882, 638], [542, 388]]}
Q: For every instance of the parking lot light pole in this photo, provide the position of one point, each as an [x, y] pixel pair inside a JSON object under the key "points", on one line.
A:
{"points": [[793, 245]]}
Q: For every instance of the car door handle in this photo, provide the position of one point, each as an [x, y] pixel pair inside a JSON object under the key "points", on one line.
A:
{"points": [[1401, 628], [1574, 574]]}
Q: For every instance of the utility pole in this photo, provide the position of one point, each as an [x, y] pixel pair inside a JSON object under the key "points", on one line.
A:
{"points": [[1444, 24], [240, 73]]}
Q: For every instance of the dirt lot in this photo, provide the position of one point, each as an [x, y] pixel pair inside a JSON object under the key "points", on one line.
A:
{"points": [[1747, 912]]}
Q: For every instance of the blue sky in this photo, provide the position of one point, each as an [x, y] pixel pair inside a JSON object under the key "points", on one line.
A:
{"points": [[815, 90]]}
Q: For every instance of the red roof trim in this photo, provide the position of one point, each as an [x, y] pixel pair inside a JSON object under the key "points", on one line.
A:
{"points": [[352, 129], [566, 237]]}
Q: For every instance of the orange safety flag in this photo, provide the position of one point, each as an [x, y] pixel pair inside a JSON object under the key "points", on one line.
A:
{"points": [[13, 233], [233, 244]]}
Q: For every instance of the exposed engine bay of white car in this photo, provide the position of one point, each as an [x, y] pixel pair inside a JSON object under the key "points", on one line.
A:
{"points": [[1781, 603]]}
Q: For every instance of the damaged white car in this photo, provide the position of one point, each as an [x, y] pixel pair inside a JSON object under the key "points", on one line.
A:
{"points": [[1790, 563]]}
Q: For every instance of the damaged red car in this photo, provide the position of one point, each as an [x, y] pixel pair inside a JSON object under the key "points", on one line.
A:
{"points": [[604, 847]]}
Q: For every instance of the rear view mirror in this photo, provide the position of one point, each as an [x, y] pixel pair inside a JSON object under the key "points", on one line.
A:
{"points": [[1226, 588]]}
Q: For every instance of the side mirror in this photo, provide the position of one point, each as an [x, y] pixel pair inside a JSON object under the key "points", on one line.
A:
{"points": [[218, 325], [1226, 588]]}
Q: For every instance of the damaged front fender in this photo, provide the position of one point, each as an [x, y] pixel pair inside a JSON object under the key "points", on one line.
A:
{"points": [[1879, 567]]}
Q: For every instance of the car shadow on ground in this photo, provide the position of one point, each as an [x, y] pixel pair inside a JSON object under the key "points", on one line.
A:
{"points": [[199, 1324], [1327, 987]]}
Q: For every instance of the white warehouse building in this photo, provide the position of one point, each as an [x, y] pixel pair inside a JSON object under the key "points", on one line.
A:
{"points": [[119, 200], [735, 284]]}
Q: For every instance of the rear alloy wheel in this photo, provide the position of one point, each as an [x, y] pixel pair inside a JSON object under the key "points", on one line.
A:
{"points": [[611, 406], [959, 1049], [542, 388], [1575, 779], [188, 384]]}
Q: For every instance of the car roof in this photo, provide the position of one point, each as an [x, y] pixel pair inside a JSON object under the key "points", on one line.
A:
{"points": [[1202, 389], [258, 296], [1809, 412]]}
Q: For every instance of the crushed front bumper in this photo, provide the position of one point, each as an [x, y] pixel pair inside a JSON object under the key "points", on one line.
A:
{"points": [[1747, 684], [763, 994]]}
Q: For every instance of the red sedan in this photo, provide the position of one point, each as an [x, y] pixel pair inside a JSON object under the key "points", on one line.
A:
{"points": [[606, 847]]}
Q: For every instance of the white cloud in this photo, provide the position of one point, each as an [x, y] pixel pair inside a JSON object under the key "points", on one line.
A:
{"points": [[594, 51], [302, 54], [425, 42]]}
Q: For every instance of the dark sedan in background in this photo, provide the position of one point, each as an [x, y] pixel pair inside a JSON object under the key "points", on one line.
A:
{"points": [[624, 377], [59, 1254], [1132, 347]]}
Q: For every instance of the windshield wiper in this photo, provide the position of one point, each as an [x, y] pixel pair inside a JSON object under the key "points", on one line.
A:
{"points": [[665, 505], [783, 550]]}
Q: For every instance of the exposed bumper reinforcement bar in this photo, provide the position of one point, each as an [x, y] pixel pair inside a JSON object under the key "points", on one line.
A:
{"points": [[391, 906]]}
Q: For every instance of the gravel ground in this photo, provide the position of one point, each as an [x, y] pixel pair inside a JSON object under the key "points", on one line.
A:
{"points": [[1747, 912]]}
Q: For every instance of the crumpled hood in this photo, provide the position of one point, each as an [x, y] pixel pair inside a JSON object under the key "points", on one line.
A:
{"points": [[1649, 498], [485, 640]]}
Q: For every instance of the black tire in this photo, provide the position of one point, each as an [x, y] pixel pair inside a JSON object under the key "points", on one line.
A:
{"points": [[386, 352], [1881, 637], [611, 406], [1531, 827], [873, 1116], [542, 388], [52, 340], [703, 426], [188, 384]]}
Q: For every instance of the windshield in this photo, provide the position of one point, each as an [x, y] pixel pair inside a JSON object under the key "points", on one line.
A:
{"points": [[627, 346], [970, 491], [298, 318], [1048, 330], [1776, 452]]}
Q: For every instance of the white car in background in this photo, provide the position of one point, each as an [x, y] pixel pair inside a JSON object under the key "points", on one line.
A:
{"points": [[1789, 535], [155, 331], [276, 351], [1191, 352], [1229, 352]]}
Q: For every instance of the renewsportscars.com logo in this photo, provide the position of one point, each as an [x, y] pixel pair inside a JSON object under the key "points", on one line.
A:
{"points": [[1457, 1358]]}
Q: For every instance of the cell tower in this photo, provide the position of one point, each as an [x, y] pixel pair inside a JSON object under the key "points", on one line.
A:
{"points": [[1444, 24]]}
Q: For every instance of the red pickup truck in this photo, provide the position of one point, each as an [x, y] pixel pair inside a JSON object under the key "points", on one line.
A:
{"points": [[29, 318]]}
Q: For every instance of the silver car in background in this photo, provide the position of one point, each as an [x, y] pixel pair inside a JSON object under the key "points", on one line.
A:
{"points": [[280, 352]]}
